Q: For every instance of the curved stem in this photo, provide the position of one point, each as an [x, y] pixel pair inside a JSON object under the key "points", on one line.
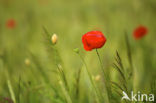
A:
{"points": [[91, 80], [100, 61], [105, 79]]}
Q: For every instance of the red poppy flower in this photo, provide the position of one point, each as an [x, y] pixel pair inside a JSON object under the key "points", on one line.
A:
{"points": [[93, 40], [140, 32], [11, 23]]}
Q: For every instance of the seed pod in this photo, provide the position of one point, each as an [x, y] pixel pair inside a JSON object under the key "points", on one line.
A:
{"points": [[27, 62], [54, 38], [97, 78]]}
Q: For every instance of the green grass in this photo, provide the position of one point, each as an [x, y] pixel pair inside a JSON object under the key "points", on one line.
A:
{"points": [[56, 74]]}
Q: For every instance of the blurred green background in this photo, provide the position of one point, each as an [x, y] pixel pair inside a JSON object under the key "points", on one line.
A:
{"points": [[70, 19]]}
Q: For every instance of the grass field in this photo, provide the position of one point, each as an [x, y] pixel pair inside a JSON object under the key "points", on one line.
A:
{"points": [[34, 70]]}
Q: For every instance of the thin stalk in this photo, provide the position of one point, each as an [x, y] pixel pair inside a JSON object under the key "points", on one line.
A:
{"points": [[62, 74], [100, 61], [78, 84], [99, 96], [19, 89], [129, 54], [105, 79], [64, 88], [66, 93], [11, 91]]}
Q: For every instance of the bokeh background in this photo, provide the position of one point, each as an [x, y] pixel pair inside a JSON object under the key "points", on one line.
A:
{"points": [[70, 19]]}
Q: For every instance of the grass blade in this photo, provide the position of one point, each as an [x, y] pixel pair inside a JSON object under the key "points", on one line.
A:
{"points": [[11, 91]]}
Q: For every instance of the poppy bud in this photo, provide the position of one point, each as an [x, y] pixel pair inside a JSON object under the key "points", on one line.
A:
{"points": [[54, 38], [97, 78], [76, 50], [93, 40], [27, 62]]}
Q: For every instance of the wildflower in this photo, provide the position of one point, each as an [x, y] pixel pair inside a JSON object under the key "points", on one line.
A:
{"points": [[140, 32], [27, 62], [54, 38], [93, 40], [11, 23]]}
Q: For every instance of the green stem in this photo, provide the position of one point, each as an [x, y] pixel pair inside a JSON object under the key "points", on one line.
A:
{"points": [[99, 96], [11, 91], [65, 92], [19, 89], [100, 61], [129, 54], [105, 79]]}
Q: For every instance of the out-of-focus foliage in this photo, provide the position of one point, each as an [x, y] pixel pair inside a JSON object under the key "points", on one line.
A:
{"points": [[54, 73]]}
